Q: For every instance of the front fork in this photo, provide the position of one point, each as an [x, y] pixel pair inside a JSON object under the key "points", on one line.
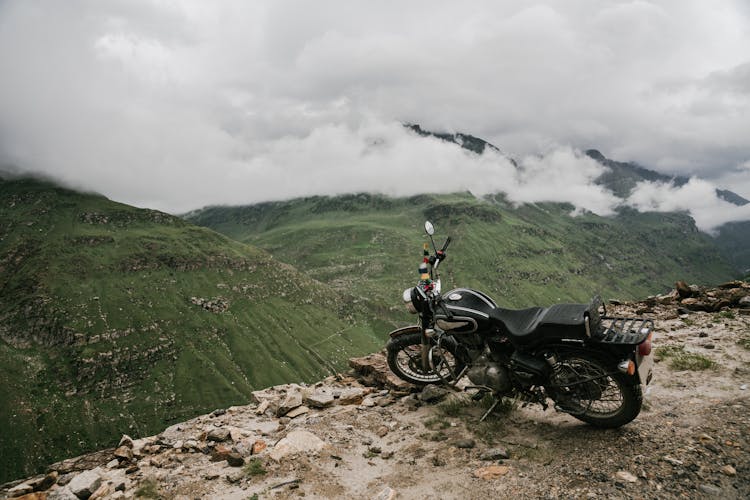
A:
{"points": [[427, 333]]}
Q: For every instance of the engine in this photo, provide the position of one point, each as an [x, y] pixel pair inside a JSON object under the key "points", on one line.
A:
{"points": [[490, 374]]}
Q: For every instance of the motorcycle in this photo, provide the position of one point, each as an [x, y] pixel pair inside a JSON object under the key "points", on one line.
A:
{"points": [[590, 365]]}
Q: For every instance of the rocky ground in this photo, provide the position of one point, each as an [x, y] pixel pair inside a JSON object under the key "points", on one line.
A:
{"points": [[364, 435]]}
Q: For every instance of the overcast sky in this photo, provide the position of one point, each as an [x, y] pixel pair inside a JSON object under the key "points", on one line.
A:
{"points": [[176, 105]]}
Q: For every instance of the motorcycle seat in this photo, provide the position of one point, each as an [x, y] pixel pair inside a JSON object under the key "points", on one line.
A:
{"points": [[529, 326]]}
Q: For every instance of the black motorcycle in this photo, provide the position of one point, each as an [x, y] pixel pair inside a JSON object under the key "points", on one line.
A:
{"points": [[590, 365]]}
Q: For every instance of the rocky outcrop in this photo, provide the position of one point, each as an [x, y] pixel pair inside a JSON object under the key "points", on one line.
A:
{"points": [[730, 295], [215, 305]]}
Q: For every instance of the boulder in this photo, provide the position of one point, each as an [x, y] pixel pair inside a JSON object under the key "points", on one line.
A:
{"points": [[219, 435], [433, 393], [373, 370], [291, 401], [319, 400], [61, 494], [683, 289], [350, 395], [85, 483], [297, 442]]}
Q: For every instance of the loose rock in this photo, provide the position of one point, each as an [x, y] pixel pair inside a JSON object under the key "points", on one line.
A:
{"points": [[219, 435], [85, 483], [495, 454]]}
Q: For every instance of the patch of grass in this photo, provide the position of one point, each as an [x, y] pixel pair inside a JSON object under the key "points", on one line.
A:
{"points": [[726, 314], [681, 359], [490, 430], [147, 489], [744, 341], [434, 423], [506, 406], [254, 468], [688, 322]]}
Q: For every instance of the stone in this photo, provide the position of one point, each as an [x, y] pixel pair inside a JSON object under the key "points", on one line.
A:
{"points": [[297, 442], [37, 495], [626, 476], [300, 410], [219, 435], [235, 460], [85, 483], [683, 289], [495, 454], [101, 492], [262, 407], [465, 444], [124, 454], [433, 393], [491, 472], [728, 470], [20, 489], [61, 494], [368, 402], [319, 400], [387, 493], [42, 483], [290, 402], [190, 444], [710, 489], [65, 478], [744, 301], [351, 396], [126, 440], [220, 453], [258, 447], [672, 461], [373, 370], [382, 431]]}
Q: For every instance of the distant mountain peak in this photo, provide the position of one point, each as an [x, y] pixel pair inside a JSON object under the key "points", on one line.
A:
{"points": [[622, 178], [466, 141]]}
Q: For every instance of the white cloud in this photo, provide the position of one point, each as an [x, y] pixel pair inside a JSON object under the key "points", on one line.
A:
{"points": [[698, 197], [178, 104]]}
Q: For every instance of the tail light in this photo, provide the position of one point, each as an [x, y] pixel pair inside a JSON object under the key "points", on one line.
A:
{"points": [[644, 348]]}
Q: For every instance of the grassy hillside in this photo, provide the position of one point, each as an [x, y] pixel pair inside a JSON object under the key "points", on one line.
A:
{"points": [[533, 254], [121, 320]]}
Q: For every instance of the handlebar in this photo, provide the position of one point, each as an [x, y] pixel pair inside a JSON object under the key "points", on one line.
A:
{"points": [[445, 245]]}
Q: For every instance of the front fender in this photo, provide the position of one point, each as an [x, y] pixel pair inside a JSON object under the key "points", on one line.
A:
{"points": [[404, 331]]}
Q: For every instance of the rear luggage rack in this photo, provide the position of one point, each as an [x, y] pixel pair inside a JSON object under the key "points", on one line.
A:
{"points": [[626, 331]]}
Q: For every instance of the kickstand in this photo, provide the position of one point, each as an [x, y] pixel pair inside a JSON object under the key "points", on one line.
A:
{"points": [[487, 413]]}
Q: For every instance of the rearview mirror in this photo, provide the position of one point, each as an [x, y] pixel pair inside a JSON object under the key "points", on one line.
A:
{"points": [[428, 228]]}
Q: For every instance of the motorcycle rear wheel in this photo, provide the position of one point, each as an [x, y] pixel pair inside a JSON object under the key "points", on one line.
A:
{"points": [[610, 400], [405, 360]]}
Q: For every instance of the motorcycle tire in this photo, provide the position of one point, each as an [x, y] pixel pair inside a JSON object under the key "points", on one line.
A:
{"points": [[405, 360], [610, 401]]}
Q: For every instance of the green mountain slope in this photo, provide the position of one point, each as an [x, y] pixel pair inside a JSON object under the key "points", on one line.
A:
{"points": [[533, 254], [118, 320]]}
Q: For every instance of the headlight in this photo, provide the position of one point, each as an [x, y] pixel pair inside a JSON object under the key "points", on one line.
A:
{"points": [[408, 302]]}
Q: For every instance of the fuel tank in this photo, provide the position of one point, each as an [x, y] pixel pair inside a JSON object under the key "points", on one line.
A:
{"points": [[469, 312]]}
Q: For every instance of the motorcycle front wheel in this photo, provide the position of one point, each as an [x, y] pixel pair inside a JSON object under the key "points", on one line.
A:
{"points": [[405, 360], [583, 386]]}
